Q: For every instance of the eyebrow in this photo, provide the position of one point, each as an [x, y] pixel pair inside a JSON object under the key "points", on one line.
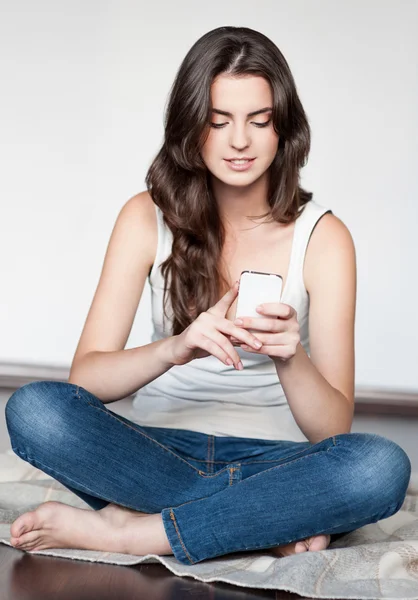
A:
{"points": [[251, 114]]}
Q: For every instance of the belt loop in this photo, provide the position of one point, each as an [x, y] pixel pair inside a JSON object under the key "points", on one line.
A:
{"points": [[235, 473]]}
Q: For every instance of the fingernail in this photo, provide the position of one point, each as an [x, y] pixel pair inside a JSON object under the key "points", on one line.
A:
{"points": [[238, 322], [240, 366]]}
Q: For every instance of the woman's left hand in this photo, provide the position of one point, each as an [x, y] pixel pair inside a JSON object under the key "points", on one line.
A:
{"points": [[277, 328]]}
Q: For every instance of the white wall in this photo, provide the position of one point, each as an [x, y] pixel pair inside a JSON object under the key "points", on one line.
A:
{"points": [[84, 86]]}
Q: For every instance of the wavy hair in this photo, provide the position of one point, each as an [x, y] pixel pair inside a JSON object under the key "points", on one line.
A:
{"points": [[179, 182]]}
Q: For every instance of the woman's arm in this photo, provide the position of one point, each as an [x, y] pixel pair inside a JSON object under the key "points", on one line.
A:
{"points": [[115, 375], [319, 409], [320, 388]]}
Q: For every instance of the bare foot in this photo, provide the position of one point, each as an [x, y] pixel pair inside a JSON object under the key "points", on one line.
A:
{"points": [[113, 529], [311, 544]]}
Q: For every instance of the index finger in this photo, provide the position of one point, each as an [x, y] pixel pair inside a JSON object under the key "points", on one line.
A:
{"points": [[226, 300]]}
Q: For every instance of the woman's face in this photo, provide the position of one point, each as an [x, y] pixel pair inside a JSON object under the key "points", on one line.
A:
{"points": [[240, 134]]}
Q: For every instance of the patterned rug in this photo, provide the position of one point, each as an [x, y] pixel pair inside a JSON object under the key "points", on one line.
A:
{"points": [[379, 560]]}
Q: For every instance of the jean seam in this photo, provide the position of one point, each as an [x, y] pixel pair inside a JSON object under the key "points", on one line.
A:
{"points": [[326, 531], [113, 415], [208, 455], [203, 474], [173, 518], [110, 414], [285, 464], [249, 462], [244, 461], [80, 486], [212, 453]]}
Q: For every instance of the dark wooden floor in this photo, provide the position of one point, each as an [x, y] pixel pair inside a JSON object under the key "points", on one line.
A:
{"points": [[30, 577]]}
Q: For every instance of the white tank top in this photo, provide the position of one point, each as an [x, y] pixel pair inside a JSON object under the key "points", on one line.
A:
{"points": [[207, 396]]}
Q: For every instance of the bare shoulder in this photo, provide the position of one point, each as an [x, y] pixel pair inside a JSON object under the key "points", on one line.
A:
{"points": [[143, 201], [329, 235], [140, 211]]}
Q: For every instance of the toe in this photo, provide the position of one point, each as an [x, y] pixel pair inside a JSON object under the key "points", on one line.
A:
{"points": [[28, 539], [320, 542], [23, 524], [301, 547]]}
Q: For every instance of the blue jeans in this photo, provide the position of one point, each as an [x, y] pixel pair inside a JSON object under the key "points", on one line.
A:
{"points": [[217, 495]]}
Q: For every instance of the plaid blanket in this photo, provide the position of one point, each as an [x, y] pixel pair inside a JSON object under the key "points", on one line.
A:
{"points": [[379, 560]]}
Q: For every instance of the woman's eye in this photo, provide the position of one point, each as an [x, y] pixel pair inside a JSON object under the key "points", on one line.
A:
{"points": [[219, 125]]}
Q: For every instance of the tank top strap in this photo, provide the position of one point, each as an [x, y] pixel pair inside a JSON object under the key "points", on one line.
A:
{"points": [[304, 227]]}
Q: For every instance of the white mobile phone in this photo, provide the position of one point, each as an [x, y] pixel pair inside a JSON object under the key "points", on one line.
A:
{"points": [[257, 288]]}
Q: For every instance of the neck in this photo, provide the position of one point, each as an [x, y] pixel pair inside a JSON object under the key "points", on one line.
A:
{"points": [[236, 204]]}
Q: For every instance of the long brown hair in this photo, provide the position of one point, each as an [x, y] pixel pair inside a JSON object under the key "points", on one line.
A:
{"points": [[178, 180]]}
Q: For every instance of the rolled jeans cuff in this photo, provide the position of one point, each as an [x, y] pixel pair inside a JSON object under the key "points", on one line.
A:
{"points": [[174, 537]]}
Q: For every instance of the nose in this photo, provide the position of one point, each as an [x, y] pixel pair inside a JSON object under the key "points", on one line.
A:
{"points": [[239, 138]]}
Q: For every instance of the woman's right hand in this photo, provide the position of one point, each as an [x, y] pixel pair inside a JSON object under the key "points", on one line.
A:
{"points": [[204, 337]]}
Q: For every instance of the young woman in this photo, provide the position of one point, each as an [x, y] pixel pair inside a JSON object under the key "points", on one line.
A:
{"points": [[231, 446]]}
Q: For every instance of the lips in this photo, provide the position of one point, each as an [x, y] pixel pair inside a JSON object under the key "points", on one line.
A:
{"points": [[240, 166]]}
